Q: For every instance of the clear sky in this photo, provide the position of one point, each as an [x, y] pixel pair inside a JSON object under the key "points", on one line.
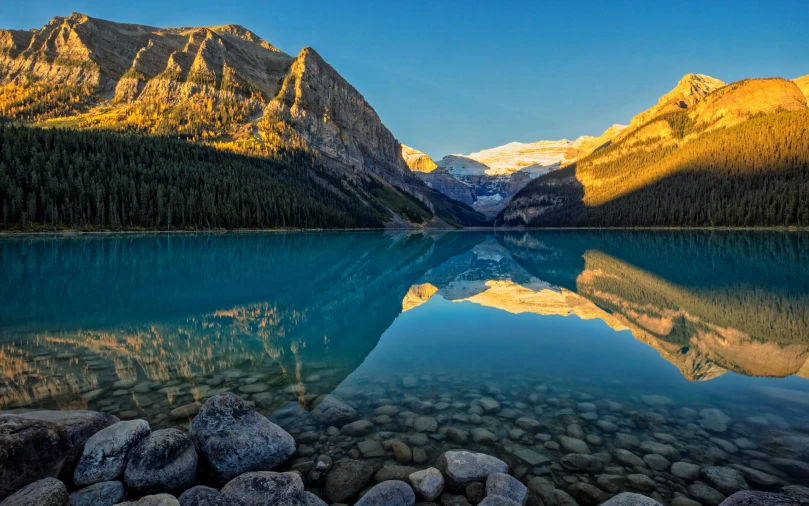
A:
{"points": [[460, 76]]}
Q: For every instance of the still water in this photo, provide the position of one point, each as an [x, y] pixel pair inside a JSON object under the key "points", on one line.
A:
{"points": [[524, 345]]}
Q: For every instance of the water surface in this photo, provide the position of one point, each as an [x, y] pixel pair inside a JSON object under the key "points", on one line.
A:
{"points": [[565, 330]]}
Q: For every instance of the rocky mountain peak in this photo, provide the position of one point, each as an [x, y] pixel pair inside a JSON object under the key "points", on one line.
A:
{"points": [[689, 90]]}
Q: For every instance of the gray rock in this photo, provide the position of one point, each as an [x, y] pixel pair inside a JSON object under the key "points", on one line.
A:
{"points": [[685, 470], [612, 483], [310, 499], [186, 411], [105, 493], [265, 488], [165, 461], [657, 462], [705, 495], [581, 463], [501, 484], [153, 500], [483, 436], [573, 445], [107, 452], [30, 450], [80, 425], [233, 439], [459, 436], [205, 496], [425, 424], [640, 482], [542, 487], [45, 492], [626, 441], [714, 420], [532, 457], [750, 498], [357, 429], [529, 424], [587, 494], [370, 448], [666, 450], [631, 499], [475, 492], [725, 479], [562, 498], [333, 410], [758, 479], [489, 405], [798, 492], [460, 467], [428, 483], [794, 468], [628, 458], [498, 500], [389, 493], [394, 472], [345, 479]]}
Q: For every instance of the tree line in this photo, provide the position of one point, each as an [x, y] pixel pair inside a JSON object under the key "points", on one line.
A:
{"points": [[67, 179]]}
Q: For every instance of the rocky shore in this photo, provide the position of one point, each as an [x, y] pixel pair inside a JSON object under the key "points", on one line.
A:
{"points": [[233, 455]]}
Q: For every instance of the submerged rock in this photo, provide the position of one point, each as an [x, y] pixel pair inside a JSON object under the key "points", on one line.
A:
{"points": [[631, 499], [462, 467], [233, 439], [30, 450], [333, 410], [725, 479], [165, 461], [107, 452], [714, 420], [345, 479], [204, 496], [46, 492], [153, 500]]}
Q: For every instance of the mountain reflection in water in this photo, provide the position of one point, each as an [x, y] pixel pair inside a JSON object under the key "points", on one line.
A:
{"points": [[102, 322]]}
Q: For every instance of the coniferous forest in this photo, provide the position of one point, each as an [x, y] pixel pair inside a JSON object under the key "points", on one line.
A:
{"points": [[752, 174], [90, 180]]}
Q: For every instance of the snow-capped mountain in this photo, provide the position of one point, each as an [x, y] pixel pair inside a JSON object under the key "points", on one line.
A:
{"points": [[488, 179]]}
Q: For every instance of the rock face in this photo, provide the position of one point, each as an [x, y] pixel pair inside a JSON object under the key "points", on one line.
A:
{"points": [[462, 467], [46, 492], [80, 425], [30, 450], [389, 493], [299, 102], [265, 488], [105, 493], [233, 439], [107, 452], [690, 89], [417, 161], [163, 462]]}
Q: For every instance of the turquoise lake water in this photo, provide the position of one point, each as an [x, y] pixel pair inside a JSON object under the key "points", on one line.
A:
{"points": [[662, 324]]}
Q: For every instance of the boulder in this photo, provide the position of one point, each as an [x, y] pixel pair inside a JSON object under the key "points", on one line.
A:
{"points": [[501, 484], [105, 493], [45, 492], [265, 488], [706, 495], [429, 483], [165, 461], [389, 493], [80, 425], [107, 452], [345, 479], [630, 499], [581, 463], [795, 468], [750, 498], [460, 467], [333, 410], [310, 499], [586, 494], [233, 439], [798, 492], [358, 428], [685, 470], [30, 450], [204, 496]]}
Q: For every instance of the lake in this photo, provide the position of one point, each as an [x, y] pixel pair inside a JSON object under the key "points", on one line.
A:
{"points": [[676, 345]]}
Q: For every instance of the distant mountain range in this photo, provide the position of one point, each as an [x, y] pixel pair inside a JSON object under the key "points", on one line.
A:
{"points": [[222, 86], [487, 180]]}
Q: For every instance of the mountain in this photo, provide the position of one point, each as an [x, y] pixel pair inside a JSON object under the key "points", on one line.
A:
{"points": [[706, 154], [803, 84], [487, 180], [222, 86]]}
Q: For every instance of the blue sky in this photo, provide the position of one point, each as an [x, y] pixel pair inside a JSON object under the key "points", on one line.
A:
{"points": [[459, 76]]}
